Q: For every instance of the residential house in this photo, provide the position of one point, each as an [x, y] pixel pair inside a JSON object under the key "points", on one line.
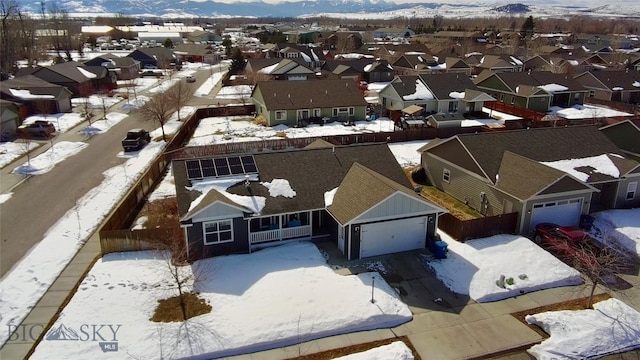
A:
{"points": [[81, 80], [34, 95], [435, 93], [202, 53], [10, 118], [612, 85], [343, 41], [294, 102], [368, 70], [312, 56], [499, 63], [391, 52], [534, 90], [544, 174], [284, 69], [626, 135], [355, 196], [393, 33], [414, 64], [203, 36], [159, 57], [124, 68]]}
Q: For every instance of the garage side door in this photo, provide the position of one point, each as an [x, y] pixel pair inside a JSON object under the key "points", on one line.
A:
{"points": [[392, 236], [563, 213]]}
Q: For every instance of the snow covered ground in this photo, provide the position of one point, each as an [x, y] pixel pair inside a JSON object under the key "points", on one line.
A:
{"points": [[474, 267], [62, 121], [9, 151], [224, 129], [25, 284], [406, 153], [397, 350], [620, 226], [586, 112], [100, 126], [610, 327], [271, 298], [44, 162]]}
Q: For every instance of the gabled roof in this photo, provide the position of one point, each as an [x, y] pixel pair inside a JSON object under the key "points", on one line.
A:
{"points": [[361, 189], [287, 66], [524, 178], [284, 95], [310, 172], [442, 85], [533, 79], [543, 145], [35, 85], [71, 70], [617, 79], [194, 49], [625, 134], [211, 197]]}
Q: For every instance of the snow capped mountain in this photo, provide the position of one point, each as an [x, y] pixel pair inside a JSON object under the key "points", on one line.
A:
{"points": [[362, 9]]}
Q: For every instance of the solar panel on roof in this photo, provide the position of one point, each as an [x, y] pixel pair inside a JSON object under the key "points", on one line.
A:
{"points": [[222, 167], [235, 165], [208, 170], [249, 164], [193, 169]]}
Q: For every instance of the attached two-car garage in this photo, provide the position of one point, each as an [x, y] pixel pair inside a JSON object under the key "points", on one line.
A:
{"points": [[383, 238]]}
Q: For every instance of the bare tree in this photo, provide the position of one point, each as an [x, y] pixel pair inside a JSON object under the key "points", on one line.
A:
{"points": [[85, 107], [179, 95], [9, 10], [599, 264], [158, 109]]}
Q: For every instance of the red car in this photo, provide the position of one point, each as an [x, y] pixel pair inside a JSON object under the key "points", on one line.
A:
{"points": [[566, 241]]}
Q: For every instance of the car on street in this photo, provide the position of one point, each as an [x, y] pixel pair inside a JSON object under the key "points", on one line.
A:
{"points": [[135, 140], [190, 79]]}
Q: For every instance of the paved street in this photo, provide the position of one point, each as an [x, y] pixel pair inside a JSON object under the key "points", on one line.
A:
{"points": [[39, 201]]}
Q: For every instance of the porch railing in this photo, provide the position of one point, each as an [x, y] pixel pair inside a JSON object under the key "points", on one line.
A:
{"points": [[280, 234]]}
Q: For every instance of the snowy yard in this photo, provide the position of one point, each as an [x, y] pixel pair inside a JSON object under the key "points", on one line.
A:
{"points": [[397, 350], [62, 121], [272, 298], [610, 327], [474, 267], [44, 162], [620, 226], [225, 129], [9, 151], [586, 112]]}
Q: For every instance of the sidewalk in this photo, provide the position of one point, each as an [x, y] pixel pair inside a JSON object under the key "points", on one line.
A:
{"points": [[445, 325], [19, 345]]}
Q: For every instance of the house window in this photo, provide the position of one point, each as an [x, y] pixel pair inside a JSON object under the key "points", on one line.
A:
{"points": [[302, 114], [217, 232], [592, 93], [513, 100], [446, 175], [317, 112], [281, 115], [631, 190], [501, 97], [453, 106], [343, 111]]}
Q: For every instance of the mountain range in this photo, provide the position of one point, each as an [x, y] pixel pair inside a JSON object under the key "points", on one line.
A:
{"points": [[362, 9]]}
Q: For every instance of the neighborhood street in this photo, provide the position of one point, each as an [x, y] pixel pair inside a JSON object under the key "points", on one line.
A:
{"points": [[39, 201]]}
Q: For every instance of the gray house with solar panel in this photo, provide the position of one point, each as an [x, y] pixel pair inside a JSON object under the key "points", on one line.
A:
{"points": [[356, 196]]}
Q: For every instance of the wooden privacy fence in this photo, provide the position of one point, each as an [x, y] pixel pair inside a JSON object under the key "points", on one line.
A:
{"points": [[514, 110], [463, 230], [133, 240]]}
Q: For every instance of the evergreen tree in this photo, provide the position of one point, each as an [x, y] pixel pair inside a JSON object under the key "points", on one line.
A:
{"points": [[528, 27]]}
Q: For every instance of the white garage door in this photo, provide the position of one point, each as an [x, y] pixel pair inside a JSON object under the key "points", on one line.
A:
{"points": [[563, 213], [392, 236]]}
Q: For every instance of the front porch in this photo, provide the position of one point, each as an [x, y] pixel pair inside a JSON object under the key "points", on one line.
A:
{"points": [[274, 230]]}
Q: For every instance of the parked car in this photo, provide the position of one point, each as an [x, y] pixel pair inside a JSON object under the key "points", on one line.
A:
{"points": [[135, 140], [190, 78], [567, 242], [38, 128]]}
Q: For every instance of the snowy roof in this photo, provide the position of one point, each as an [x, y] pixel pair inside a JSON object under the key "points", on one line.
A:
{"points": [[26, 95], [583, 168], [421, 92], [552, 88]]}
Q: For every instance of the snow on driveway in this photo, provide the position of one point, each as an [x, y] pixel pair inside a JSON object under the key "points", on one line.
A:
{"points": [[620, 226], [271, 298], [474, 267], [397, 350]]}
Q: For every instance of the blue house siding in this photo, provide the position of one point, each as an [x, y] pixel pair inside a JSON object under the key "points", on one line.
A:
{"points": [[198, 250]]}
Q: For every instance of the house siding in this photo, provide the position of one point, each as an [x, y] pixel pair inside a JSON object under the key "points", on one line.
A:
{"points": [[621, 200], [198, 250], [453, 152], [396, 205]]}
